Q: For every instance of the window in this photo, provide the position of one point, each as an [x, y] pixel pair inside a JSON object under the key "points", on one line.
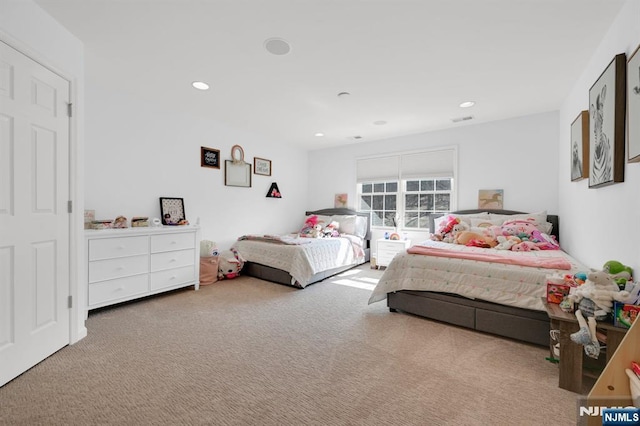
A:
{"points": [[423, 197], [380, 199], [402, 190]]}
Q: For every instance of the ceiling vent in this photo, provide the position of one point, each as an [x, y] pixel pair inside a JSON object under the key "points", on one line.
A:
{"points": [[459, 119]]}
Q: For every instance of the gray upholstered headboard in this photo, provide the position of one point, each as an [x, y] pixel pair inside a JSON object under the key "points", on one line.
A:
{"points": [[344, 211], [551, 218]]}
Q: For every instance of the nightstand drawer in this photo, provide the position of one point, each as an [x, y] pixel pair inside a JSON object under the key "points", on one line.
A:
{"points": [[169, 242]]}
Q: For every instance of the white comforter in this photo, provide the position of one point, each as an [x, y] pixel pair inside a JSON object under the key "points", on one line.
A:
{"points": [[302, 257], [512, 285]]}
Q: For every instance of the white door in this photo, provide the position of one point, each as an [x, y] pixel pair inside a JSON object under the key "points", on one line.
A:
{"points": [[34, 218]]}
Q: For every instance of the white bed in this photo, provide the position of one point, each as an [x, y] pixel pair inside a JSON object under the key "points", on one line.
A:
{"points": [[300, 261]]}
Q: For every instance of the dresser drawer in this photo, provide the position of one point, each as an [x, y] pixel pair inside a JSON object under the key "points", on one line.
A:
{"points": [[172, 259], [168, 242], [108, 269], [106, 248], [172, 277], [108, 291]]}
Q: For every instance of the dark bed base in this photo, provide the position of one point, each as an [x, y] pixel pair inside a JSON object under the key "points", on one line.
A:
{"points": [[283, 277], [515, 323]]}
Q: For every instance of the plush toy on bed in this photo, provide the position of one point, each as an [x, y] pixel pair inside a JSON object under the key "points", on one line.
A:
{"points": [[310, 225], [595, 301], [475, 239], [331, 230], [446, 229], [230, 264]]}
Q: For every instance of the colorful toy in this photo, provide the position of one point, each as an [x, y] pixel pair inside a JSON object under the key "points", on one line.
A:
{"points": [[595, 301], [525, 246], [331, 230], [309, 226], [230, 264], [620, 273], [475, 239]]}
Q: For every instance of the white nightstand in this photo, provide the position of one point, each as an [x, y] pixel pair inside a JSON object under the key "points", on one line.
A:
{"points": [[387, 249]]}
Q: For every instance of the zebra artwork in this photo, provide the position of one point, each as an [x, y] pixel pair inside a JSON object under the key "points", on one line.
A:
{"points": [[602, 165]]}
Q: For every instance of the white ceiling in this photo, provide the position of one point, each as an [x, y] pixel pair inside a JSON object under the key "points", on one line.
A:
{"points": [[409, 63]]}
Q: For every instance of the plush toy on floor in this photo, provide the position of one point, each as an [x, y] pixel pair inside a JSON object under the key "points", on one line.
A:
{"points": [[594, 301], [230, 264]]}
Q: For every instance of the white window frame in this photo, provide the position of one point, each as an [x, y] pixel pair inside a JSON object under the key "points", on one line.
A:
{"points": [[401, 181]]}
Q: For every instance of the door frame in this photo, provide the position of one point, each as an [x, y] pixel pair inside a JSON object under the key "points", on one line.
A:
{"points": [[77, 291]]}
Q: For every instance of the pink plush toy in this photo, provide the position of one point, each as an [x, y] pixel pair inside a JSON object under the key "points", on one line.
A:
{"points": [[525, 246]]}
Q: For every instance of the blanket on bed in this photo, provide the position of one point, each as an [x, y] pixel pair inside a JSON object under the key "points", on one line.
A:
{"points": [[494, 257], [293, 239], [504, 283]]}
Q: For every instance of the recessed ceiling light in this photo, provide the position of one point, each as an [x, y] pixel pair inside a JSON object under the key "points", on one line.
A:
{"points": [[277, 46], [467, 104], [200, 85], [319, 134], [380, 123]]}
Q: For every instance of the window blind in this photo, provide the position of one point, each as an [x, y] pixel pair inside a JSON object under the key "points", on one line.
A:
{"points": [[425, 164]]}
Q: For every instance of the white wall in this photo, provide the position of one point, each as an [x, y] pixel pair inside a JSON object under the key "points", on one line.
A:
{"points": [[138, 151], [600, 224], [516, 155], [27, 28]]}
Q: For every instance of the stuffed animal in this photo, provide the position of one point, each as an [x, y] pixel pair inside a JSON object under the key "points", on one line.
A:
{"points": [[331, 230], [457, 229], [316, 232], [230, 264], [620, 273], [595, 301], [525, 246], [445, 229], [506, 243], [475, 239], [309, 225]]}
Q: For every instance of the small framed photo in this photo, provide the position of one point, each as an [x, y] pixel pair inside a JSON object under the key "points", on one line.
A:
{"points": [[172, 210], [261, 166], [209, 157], [580, 147]]}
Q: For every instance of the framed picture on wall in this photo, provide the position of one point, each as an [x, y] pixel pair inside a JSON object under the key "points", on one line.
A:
{"points": [[209, 157], [261, 166], [491, 199], [633, 107], [580, 147], [607, 107]]}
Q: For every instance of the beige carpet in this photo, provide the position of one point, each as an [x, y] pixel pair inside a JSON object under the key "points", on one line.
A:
{"points": [[248, 352]]}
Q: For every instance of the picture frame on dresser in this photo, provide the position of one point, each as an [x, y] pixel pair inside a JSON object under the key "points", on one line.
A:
{"points": [[633, 107], [172, 210], [607, 108]]}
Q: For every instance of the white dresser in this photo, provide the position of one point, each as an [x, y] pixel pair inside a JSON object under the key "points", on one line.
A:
{"points": [[387, 249], [125, 264]]}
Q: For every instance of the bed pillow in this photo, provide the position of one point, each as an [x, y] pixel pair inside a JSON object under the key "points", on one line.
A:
{"points": [[463, 217], [347, 223], [485, 223], [539, 219], [361, 226]]}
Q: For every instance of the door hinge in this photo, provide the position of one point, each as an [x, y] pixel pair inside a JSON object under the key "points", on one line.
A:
{"points": [[69, 110], [69, 206], [70, 302]]}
